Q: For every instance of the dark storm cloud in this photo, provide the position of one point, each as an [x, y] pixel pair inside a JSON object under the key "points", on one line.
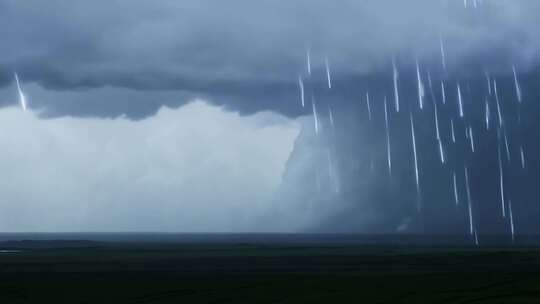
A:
{"points": [[373, 201], [244, 54], [115, 58]]}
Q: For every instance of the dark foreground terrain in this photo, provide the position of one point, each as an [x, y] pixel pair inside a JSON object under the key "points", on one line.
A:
{"points": [[140, 272]]}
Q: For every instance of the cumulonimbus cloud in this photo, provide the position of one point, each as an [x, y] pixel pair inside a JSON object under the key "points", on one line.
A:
{"points": [[248, 50], [197, 168]]}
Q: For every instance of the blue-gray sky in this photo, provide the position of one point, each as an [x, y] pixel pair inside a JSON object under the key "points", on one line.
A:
{"points": [[93, 71], [241, 53]]}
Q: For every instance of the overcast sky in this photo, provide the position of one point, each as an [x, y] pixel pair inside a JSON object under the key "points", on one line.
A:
{"points": [[186, 115], [245, 54]]}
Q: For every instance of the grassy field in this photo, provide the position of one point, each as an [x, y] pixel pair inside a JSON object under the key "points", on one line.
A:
{"points": [[161, 273]]}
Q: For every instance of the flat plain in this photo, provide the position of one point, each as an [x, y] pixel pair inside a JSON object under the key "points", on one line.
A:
{"points": [[139, 272]]}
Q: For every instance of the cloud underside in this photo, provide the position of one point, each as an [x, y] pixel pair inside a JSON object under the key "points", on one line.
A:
{"points": [[239, 51]]}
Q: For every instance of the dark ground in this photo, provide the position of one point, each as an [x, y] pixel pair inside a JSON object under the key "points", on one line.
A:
{"points": [[136, 272]]}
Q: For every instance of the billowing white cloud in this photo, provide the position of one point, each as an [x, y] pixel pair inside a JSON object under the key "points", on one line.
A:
{"points": [[196, 168]]}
